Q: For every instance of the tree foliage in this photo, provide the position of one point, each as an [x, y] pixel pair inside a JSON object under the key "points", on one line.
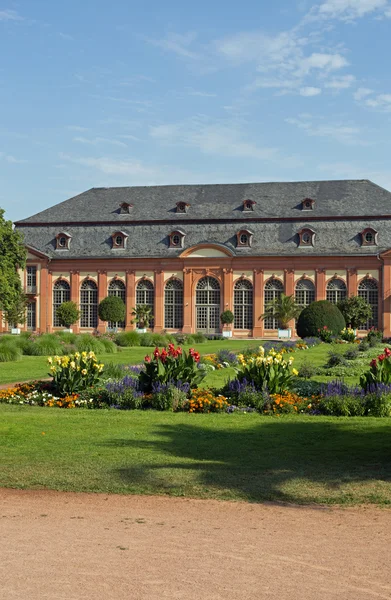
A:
{"points": [[143, 315], [112, 308], [355, 310], [319, 315], [227, 317], [12, 257], [68, 314], [16, 313], [283, 309]]}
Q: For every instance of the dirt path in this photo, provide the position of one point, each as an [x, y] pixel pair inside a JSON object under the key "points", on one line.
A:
{"points": [[65, 546]]}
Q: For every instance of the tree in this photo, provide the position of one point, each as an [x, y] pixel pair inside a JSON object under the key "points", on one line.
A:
{"points": [[227, 317], [283, 309], [68, 314], [12, 257], [112, 309], [16, 313], [355, 310], [143, 314]]}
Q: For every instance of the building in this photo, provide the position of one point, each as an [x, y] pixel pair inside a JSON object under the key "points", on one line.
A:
{"points": [[192, 251]]}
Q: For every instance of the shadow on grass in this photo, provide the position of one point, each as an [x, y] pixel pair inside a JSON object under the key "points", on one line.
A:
{"points": [[276, 460]]}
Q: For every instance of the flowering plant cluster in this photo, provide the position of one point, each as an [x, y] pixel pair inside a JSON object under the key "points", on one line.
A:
{"points": [[348, 335], [204, 401], [380, 370], [74, 372], [289, 402], [171, 365], [267, 371], [37, 394], [325, 334]]}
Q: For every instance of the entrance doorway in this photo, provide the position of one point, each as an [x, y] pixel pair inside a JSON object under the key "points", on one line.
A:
{"points": [[208, 305]]}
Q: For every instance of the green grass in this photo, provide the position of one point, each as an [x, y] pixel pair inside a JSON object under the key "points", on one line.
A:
{"points": [[35, 367], [247, 457]]}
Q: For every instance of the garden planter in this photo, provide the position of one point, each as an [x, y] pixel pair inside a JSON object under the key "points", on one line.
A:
{"points": [[284, 334], [227, 334], [68, 330], [15, 331], [144, 330]]}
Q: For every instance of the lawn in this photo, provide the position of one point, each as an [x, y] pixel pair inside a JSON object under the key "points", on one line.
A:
{"points": [[247, 457]]}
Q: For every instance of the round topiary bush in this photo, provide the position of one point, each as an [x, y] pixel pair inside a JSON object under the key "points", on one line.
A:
{"points": [[112, 308], [317, 316]]}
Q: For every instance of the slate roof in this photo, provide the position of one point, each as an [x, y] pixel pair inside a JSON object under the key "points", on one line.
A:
{"points": [[220, 201], [216, 216]]}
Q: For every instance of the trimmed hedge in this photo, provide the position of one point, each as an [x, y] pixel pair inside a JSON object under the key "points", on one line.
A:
{"points": [[317, 316]]}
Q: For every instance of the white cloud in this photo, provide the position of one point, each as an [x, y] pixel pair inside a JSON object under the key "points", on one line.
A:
{"points": [[341, 82], [222, 138], [97, 141], [350, 9], [322, 61], [11, 159], [177, 43], [10, 15], [362, 93], [340, 132], [310, 91]]}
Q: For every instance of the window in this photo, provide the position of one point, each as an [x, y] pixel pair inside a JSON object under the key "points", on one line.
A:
{"points": [[336, 291], [31, 320], [369, 237], [307, 204], [61, 293], [305, 292], [176, 239], [145, 294], [124, 208], [117, 288], [63, 241], [368, 289], [31, 280], [306, 237], [119, 239], [248, 205], [182, 207], [89, 304], [244, 238], [243, 304], [173, 304], [208, 305], [273, 290]]}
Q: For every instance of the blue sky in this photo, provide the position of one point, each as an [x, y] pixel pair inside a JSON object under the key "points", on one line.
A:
{"points": [[98, 93]]}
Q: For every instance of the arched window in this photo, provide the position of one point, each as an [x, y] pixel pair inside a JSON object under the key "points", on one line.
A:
{"points": [[368, 289], [273, 290], [145, 294], [208, 305], [61, 293], [173, 304], [336, 291], [117, 288], [243, 304], [89, 304], [305, 292]]}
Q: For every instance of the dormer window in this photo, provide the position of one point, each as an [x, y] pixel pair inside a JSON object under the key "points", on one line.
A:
{"points": [[119, 239], [176, 239], [63, 241], [182, 207], [124, 208], [306, 237], [369, 237], [248, 205], [308, 204], [244, 239]]}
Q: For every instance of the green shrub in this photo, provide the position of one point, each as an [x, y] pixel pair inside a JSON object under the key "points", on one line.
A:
{"points": [[9, 352], [88, 343], [378, 405], [196, 338], [110, 347], [342, 406], [146, 339], [170, 399], [158, 340], [317, 316], [126, 339], [112, 308], [375, 334], [363, 346], [335, 358], [44, 345], [351, 353], [307, 369], [65, 336], [306, 389]]}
